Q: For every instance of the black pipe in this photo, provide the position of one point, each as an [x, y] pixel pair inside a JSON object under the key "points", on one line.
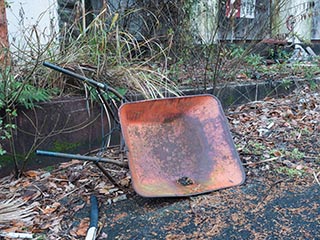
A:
{"points": [[80, 157], [100, 85], [94, 211], [73, 74], [94, 216]]}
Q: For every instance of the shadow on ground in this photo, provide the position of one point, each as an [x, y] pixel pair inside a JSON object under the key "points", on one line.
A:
{"points": [[281, 210]]}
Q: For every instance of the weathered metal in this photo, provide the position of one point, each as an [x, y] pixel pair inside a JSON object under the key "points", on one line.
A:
{"points": [[94, 83], [81, 157], [3, 26], [98, 85], [179, 146]]}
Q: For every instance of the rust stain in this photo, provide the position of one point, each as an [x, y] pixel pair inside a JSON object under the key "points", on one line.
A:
{"points": [[4, 44], [179, 146]]}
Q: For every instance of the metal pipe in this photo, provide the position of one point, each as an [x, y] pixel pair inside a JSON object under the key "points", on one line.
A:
{"points": [[100, 85], [94, 216], [107, 106], [81, 157], [73, 74]]}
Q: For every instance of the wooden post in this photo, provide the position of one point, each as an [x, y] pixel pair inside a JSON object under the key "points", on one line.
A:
{"points": [[4, 43]]}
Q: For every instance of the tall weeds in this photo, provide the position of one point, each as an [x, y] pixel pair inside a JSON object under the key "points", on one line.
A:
{"points": [[117, 57], [107, 53]]}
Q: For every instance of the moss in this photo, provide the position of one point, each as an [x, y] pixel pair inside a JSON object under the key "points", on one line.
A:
{"points": [[5, 160], [49, 168], [65, 146], [229, 100], [290, 172]]}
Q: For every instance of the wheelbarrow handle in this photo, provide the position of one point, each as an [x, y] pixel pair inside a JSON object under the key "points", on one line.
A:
{"points": [[80, 157], [74, 75], [92, 231], [96, 84]]}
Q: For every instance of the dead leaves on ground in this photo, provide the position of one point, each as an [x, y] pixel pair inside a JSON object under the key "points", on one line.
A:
{"points": [[81, 230], [285, 131], [48, 200], [269, 134], [15, 209]]}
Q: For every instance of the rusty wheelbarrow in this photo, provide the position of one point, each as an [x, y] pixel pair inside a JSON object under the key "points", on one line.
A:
{"points": [[178, 146]]}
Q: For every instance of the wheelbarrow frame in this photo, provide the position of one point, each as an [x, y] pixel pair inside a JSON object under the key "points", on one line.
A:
{"points": [[108, 108], [177, 146]]}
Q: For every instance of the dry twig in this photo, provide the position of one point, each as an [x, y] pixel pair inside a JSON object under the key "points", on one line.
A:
{"points": [[316, 177]]}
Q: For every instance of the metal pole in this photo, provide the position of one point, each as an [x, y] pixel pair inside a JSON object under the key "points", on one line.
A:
{"points": [[81, 157], [103, 86]]}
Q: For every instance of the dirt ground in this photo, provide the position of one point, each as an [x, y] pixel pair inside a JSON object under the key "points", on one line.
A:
{"points": [[284, 210], [278, 141]]}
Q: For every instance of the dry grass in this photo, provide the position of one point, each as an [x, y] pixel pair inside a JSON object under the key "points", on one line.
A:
{"points": [[16, 210], [115, 56]]}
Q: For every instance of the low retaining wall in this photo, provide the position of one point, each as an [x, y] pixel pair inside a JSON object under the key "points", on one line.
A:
{"points": [[73, 126], [70, 125]]}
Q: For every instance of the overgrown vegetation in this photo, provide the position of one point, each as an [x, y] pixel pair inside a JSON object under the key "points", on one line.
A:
{"points": [[232, 49], [16, 91], [151, 48], [109, 54]]}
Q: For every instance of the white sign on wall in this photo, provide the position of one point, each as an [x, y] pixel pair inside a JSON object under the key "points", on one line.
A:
{"points": [[247, 8], [241, 8]]}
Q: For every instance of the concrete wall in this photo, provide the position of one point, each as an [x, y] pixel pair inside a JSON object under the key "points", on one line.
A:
{"points": [[315, 27], [236, 22], [298, 20], [27, 16], [204, 14]]}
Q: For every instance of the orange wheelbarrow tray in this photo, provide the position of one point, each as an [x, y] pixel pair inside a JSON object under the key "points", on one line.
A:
{"points": [[179, 146]]}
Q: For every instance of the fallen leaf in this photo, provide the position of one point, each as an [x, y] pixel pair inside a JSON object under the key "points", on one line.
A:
{"points": [[288, 163], [12, 229], [103, 188], [26, 183], [120, 198], [73, 233], [120, 216], [104, 191], [44, 226], [31, 195], [70, 163], [277, 153], [83, 227], [32, 173], [125, 182], [52, 208], [242, 76], [78, 207], [299, 167], [103, 235]]}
